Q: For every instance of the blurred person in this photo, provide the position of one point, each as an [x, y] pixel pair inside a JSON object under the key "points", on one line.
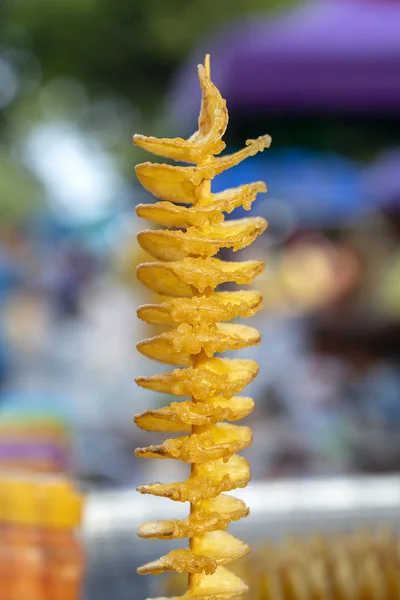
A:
{"points": [[307, 272], [11, 277], [5, 361], [68, 288], [315, 403], [375, 244], [391, 278], [369, 390], [65, 273], [11, 272], [27, 323]]}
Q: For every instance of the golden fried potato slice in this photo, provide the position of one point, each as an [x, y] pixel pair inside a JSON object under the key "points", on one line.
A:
{"points": [[216, 376], [166, 244], [270, 585], [221, 546], [227, 161], [207, 552], [181, 561], [166, 279], [172, 215], [177, 347], [213, 118], [236, 469], [221, 585], [230, 199], [175, 216], [167, 182], [226, 586], [179, 278], [213, 478], [295, 581], [393, 573], [224, 504], [209, 515], [221, 306], [179, 184], [319, 577], [372, 580], [181, 416], [218, 441], [206, 141]]}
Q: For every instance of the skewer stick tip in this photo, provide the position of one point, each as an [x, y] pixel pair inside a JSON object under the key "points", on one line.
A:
{"points": [[207, 65]]}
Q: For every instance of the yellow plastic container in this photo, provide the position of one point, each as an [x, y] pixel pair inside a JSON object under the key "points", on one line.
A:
{"points": [[41, 557], [24, 560], [61, 516]]}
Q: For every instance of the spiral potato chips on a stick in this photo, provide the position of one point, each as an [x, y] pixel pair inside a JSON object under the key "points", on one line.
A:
{"points": [[363, 565], [186, 273]]}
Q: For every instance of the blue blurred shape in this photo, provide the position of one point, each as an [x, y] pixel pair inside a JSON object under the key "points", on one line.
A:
{"points": [[35, 405], [319, 188], [381, 181]]}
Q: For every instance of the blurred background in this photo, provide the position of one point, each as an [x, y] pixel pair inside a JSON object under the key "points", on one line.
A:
{"points": [[77, 79]]}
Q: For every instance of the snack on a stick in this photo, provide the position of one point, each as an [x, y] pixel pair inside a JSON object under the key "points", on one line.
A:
{"points": [[186, 273], [358, 566]]}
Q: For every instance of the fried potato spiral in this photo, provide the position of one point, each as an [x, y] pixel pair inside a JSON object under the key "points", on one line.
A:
{"points": [[361, 565], [186, 274]]}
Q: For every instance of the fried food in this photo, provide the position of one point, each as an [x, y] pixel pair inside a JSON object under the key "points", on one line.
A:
{"points": [[194, 275], [172, 215], [178, 346], [209, 551], [211, 479], [182, 416], [167, 244], [186, 275], [202, 310], [219, 441], [216, 376], [364, 564]]}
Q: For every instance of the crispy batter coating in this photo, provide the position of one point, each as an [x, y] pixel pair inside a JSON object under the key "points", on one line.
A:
{"points": [[209, 551], [167, 244], [175, 216], [182, 416], [181, 561], [202, 310], [180, 184], [180, 277], [209, 515], [186, 275], [206, 141], [183, 344], [211, 479], [356, 566], [225, 376], [221, 585], [219, 441]]}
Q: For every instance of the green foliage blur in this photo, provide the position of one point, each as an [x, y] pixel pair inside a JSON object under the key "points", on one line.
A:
{"points": [[103, 64], [129, 46]]}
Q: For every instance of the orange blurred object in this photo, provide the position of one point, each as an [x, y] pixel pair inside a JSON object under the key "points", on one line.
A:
{"points": [[24, 563], [61, 515]]}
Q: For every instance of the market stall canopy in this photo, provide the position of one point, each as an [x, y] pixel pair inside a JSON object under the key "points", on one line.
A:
{"points": [[325, 55]]}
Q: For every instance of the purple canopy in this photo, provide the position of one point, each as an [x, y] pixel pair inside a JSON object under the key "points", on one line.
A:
{"points": [[330, 54]]}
